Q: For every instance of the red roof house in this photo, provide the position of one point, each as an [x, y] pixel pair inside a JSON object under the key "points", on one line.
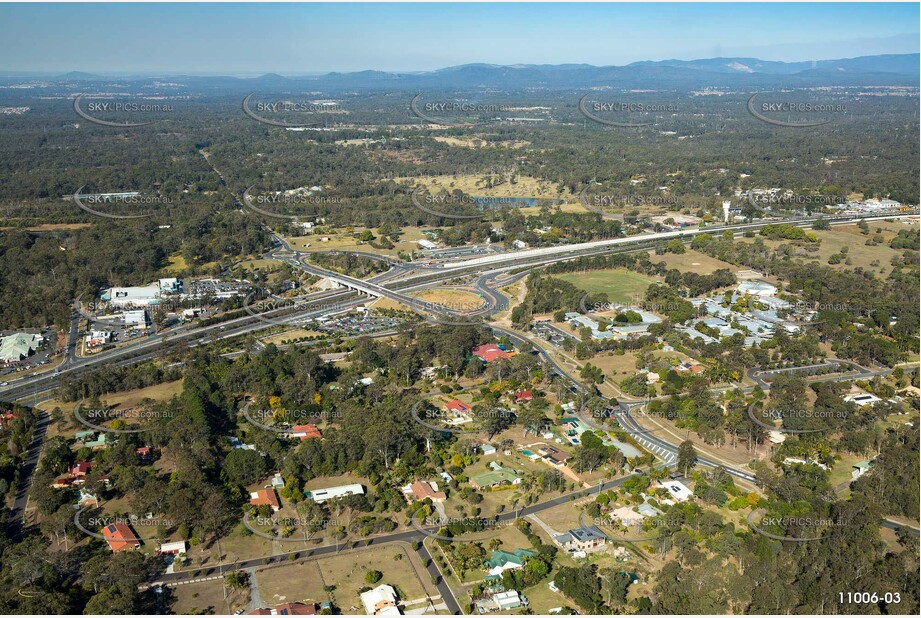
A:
{"points": [[523, 396], [80, 469], [490, 352], [265, 497], [120, 537], [458, 407], [306, 431], [421, 490]]}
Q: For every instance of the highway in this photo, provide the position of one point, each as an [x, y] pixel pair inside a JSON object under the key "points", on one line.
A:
{"points": [[393, 285]]}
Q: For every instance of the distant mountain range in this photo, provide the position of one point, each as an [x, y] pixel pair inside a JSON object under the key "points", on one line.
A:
{"points": [[901, 69]]}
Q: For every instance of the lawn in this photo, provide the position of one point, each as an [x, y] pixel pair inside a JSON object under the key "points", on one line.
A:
{"points": [[207, 598], [344, 240], [621, 285], [693, 262], [454, 300], [347, 572], [296, 582]]}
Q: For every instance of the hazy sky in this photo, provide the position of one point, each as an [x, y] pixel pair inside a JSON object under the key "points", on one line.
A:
{"points": [[245, 39]]}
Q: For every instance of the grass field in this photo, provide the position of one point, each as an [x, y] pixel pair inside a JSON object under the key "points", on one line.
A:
{"points": [[207, 598], [476, 184], [621, 285], [455, 300], [876, 258], [344, 240], [288, 335], [475, 142], [693, 262]]}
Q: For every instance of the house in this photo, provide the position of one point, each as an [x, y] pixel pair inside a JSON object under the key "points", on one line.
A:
{"points": [[381, 601], [677, 490], [143, 453], [120, 537], [553, 456], [495, 478], [175, 548], [652, 377], [501, 601], [420, 490], [305, 432], [523, 396], [489, 352], [322, 495], [502, 561], [861, 468], [87, 499], [265, 497], [91, 440], [789, 461], [458, 407], [80, 469], [863, 399], [582, 539], [277, 481], [426, 244], [487, 449]]}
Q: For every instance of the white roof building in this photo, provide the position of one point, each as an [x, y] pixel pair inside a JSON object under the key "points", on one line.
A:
{"points": [[136, 318], [863, 399], [381, 601], [141, 296], [322, 495], [426, 244], [677, 490], [757, 288]]}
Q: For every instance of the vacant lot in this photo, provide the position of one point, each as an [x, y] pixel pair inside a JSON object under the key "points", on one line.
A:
{"points": [[454, 300], [621, 285], [344, 240], [489, 185], [693, 262], [207, 598]]}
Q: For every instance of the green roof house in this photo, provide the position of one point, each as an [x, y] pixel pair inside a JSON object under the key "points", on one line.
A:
{"points": [[502, 476], [502, 561]]}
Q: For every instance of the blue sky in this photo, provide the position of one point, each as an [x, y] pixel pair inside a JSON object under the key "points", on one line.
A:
{"points": [[247, 39]]}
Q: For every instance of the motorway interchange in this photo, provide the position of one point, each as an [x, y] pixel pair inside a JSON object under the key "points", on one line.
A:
{"points": [[395, 284]]}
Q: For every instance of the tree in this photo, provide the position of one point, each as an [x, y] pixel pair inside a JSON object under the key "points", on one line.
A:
{"points": [[687, 456]]}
